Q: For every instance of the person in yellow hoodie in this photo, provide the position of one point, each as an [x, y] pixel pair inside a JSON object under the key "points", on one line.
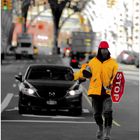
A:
{"points": [[101, 71]]}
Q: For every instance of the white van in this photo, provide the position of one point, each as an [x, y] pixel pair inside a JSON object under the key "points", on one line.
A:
{"points": [[25, 46]]}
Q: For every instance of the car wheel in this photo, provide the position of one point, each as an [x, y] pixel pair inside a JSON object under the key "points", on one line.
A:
{"points": [[21, 110], [24, 110], [76, 112], [137, 66], [18, 56], [31, 56]]}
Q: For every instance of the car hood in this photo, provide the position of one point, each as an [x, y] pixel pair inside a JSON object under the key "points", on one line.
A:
{"points": [[51, 83], [45, 87]]}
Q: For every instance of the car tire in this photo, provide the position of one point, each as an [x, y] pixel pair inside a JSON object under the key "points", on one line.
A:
{"points": [[76, 112], [2, 56], [31, 56], [137, 66], [21, 110], [24, 110], [18, 56]]}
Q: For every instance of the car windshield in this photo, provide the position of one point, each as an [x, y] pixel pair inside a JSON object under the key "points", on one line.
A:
{"points": [[49, 74], [25, 44]]}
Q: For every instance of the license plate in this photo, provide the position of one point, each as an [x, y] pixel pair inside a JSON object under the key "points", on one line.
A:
{"points": [[24, 52], [50, 102]]}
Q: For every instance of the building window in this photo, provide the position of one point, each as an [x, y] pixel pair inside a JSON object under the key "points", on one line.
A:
{"points": [[136, 24], [136, 37], [137, 3]]}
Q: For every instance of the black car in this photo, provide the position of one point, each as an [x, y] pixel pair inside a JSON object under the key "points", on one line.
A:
{"points": [[74, 62], [49, 87], [75, 58]]}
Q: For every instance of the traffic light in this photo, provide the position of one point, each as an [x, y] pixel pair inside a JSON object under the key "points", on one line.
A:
{"points": [[81, 19], [9, 4], [4, 5]]}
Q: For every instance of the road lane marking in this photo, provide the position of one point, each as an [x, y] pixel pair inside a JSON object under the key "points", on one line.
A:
{"points": [[16, 108], [6, 101], [44, 121], [12, 109], [115, 123], [89, 101], [53, 117], [86, 97], [31, 61], [85, 110], [16, 95]]}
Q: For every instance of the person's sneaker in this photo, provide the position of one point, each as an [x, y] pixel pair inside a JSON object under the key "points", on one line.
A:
{"points": [[99, 134], [107, 138], [107, 133]]}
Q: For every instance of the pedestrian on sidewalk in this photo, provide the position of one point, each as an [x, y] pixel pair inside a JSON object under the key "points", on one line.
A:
{"points": [[101, 71]]}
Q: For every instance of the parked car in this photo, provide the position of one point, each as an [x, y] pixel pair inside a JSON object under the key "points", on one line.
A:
{"points": [[137, 60], [47, 87], [10, 51], [127, 57]]}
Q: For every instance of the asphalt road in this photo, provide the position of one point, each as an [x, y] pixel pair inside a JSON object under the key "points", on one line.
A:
{"points": [[62, 126]]}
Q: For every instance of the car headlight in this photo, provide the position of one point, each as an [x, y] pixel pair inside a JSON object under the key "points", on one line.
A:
{"points": [[26, 89], [74, 92], [29, 91]]}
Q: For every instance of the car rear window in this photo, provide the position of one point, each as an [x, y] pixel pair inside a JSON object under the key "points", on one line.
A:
{"points": [[49, 74]]}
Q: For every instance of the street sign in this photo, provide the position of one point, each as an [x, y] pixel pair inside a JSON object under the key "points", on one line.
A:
{"points": [[118, 87]]}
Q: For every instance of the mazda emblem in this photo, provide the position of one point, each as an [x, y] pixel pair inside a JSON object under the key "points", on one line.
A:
{"points": [[51, 93]]}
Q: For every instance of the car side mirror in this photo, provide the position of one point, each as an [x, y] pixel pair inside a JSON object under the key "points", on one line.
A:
{"points": [[70, 77], [18, 77]]}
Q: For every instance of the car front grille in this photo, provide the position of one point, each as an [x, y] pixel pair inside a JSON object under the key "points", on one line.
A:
{"points": [[51, 93]]}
